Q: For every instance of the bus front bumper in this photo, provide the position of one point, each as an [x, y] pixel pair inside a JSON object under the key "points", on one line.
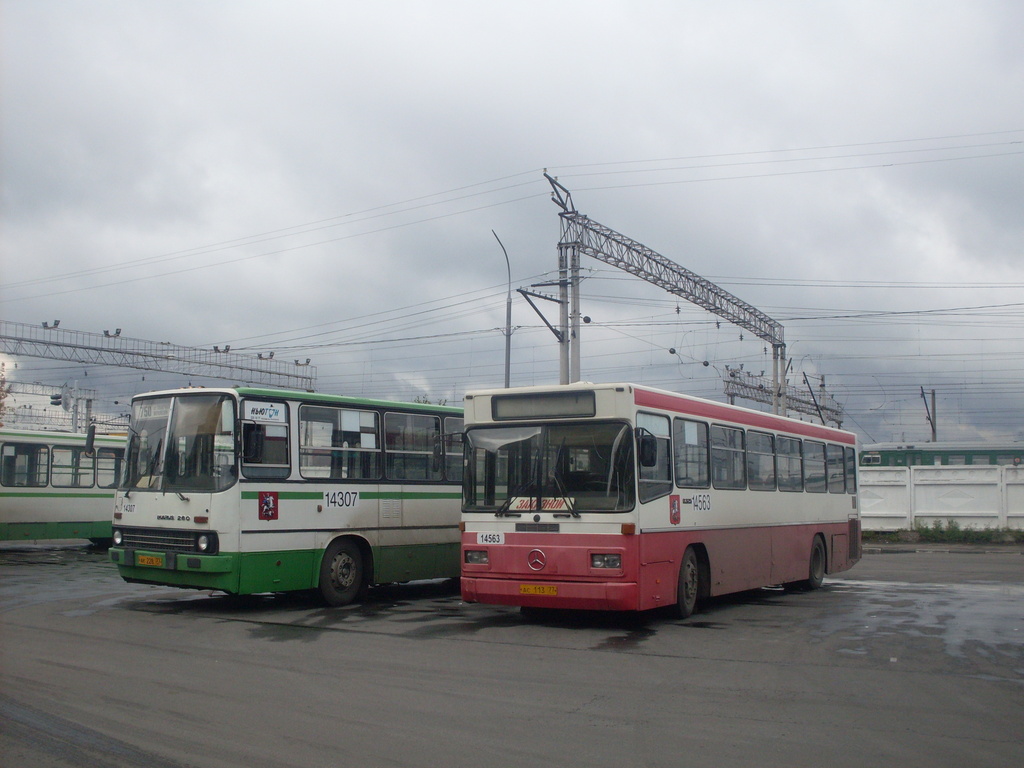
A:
{"points": [[158, 563], [591, 596]]}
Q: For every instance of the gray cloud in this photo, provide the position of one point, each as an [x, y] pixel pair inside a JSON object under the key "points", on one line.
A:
{"points": [[323, 179]]}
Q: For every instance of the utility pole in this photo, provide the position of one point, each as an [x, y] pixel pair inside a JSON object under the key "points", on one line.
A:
{"points": [[508, 313], [931, 414]]}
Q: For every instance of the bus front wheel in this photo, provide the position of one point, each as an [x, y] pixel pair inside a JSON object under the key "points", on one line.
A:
{"points": [[689, 584], [342, 573]]}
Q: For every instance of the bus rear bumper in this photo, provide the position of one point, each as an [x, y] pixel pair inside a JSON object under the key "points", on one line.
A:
{"points": [[590, 596]]}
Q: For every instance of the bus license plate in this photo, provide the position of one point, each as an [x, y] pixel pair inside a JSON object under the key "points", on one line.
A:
{"points": [[538, 589], [156, 562]]}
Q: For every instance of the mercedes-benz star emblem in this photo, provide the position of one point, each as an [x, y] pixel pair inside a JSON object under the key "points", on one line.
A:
{"points": [[536, 560]]}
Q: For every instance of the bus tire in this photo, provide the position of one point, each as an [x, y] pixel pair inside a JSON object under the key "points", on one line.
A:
{"points": [[342, 573], [689, 584], [816, 566]]}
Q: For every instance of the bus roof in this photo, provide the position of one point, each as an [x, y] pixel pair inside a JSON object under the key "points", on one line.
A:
{"points": [[308, 397], [697, 406]]}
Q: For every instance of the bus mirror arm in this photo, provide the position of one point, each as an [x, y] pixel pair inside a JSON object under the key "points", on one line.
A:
{"points": [[437, 458]]}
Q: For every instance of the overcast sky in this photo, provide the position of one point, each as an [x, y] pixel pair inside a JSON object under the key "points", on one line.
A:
{"points": [[321, 180]]}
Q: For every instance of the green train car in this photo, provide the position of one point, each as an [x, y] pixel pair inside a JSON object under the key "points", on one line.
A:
{"points": [[931, 454]]}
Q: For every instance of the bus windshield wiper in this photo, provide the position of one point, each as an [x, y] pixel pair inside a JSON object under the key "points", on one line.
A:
{"points": [[560, 484], [565, 497], [513, 494]]}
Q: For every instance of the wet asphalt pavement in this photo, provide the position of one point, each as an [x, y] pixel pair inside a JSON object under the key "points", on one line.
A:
{"points": [[914, 657]]}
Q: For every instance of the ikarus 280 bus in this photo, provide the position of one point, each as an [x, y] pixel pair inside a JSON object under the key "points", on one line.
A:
{"points": [[249, 490]]}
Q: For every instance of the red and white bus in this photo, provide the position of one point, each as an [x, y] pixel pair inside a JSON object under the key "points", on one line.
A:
{"points": [[622, 497]]}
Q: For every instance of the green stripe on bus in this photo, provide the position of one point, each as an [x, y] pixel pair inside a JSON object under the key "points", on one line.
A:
{"points": [[293, 495], [94, 529], [409, 495], [366, 495]]}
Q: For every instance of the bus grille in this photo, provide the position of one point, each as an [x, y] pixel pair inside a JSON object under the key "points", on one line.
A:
{"points": [[158, 539]]}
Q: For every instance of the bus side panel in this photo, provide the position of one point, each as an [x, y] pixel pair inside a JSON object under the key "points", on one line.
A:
{"points": [[277, 571], [739, 559], [791, 549], [98, 530], [44, 513], [417, 561]]}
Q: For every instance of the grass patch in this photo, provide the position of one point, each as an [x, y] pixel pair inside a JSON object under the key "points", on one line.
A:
{"points": [[948, 532]]}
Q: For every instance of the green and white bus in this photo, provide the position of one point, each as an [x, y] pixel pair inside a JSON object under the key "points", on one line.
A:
{"points": [[57, 485], [249, 490]]}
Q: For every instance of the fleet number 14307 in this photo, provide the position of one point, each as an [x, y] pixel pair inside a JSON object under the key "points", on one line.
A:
{"points": [[341, 498]]}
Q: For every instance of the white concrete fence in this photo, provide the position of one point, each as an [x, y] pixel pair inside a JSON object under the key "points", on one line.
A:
{"points": [[895, 498]]}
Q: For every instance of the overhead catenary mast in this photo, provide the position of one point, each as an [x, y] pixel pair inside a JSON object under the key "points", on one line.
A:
{"points": [[582, 235]]}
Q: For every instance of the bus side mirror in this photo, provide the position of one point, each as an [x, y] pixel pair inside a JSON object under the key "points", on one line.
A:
{"points": [[252, 443], [648, 447], [90, 440]]}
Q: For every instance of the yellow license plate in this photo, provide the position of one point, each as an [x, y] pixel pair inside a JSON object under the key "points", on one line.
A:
{"points": [[538, 589], [157, 562]]}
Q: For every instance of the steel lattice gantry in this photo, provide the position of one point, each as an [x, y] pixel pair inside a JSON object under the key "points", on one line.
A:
{"points": [[115, 350], [581, 235]]}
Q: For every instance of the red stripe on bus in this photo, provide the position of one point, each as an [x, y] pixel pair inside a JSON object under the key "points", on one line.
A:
{"points": [[718, 412]]}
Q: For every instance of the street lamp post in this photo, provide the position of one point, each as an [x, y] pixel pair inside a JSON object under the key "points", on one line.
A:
{"points": [[508, 313]]}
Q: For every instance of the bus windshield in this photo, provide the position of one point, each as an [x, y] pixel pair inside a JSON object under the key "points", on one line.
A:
{"points": [[572, 468], [182, 443]]}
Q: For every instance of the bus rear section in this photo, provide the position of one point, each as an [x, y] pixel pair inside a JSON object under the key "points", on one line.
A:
{"points": [[616, 497]]}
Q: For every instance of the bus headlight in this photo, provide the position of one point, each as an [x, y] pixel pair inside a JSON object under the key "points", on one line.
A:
{"points": [[477, 557], [605, 561], [203, 543], [118, 537]]}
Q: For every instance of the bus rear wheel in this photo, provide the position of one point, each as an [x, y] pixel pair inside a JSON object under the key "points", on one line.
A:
{"points": [[816, 567], [689, 584], [342, 573]]}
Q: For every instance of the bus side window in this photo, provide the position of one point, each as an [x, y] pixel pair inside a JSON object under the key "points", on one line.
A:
{"points": [[727, 458], [814, 467], [409, 441], [851, 470], [836, 468], [761, 461], [690, 441], [790, 464], [71, 468], [25, 465], [339, 443]]}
